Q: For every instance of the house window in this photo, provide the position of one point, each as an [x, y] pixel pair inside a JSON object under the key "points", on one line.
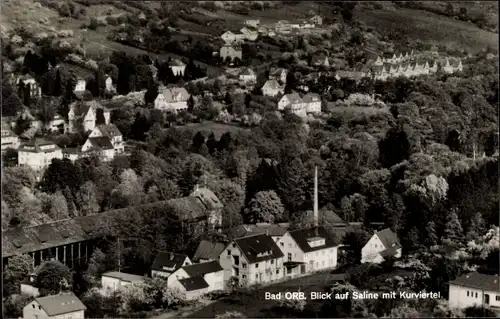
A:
{"points": [[289, 270], [375, 245], [234, 245], [272, 261], [467, 293], [257, 265], [229, 252], [497, 298], [243, 265], [289, 256], [476, 294], [33, 306], [256, 276], [244, 277], [289, 245], [278, 272], [282, 244]]}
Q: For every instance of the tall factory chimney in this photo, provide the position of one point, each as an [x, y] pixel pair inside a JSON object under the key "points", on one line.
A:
{"points": [[315, 209]]}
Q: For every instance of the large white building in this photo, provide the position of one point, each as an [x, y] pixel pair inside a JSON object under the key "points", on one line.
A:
{"points": [[254, 259], [382, 245], [38, 154], [178, 67], [475, 289], [61, 306]]}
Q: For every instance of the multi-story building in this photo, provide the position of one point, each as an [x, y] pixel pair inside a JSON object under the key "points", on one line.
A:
{"points": [[272, 88], [38, 154], [248, 76], [278, 74], [475, 290], [166, 263], [231, 38], [294, 103], [231, 51], [100, 146], [313, 102], [112, 133], [254, 259], [30, 86]]}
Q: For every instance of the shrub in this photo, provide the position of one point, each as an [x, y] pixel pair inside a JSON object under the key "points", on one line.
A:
{"points": [[93, 24]]}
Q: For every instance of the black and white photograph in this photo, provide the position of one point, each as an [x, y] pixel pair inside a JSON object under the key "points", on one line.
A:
{"points": [[249, 159]]}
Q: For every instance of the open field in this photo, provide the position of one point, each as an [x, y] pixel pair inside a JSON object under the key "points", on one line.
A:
{"points": [[428, 27], [217, 128], [256, 306]]}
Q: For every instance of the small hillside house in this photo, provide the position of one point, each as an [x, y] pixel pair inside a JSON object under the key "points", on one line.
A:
{"points": [[178, 67], [293, 102], [313, 102], [28, 286], [115, 280], [167, 263], [229, 37], [80, 86], [278, 74], [230, 51], [208, 251], [452, 67], [248, 76], [254, 259], [382, 245], [474, 289], [38, 154], [197, 279], [9, 139], [86, 116], [172, 99], [320, 60], [276, 231], [316, 20], [100, 146], [61, 306], [30, 86], [272, 88], [250, 33], [252, 23]]}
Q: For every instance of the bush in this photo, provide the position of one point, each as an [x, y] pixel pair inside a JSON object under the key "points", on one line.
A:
{"points": [[93, 24]]}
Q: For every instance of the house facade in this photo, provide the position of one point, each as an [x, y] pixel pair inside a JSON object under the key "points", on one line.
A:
{"points": [[172, 99], [197, 279], [248, 76], [166, 263], [308, 250], [475, 289], [316, 20], [30, 85], [178, 67], [61, 306], [100, 146], [115, 280], [229, 51], [454, 67], [294, 103], [382, 245], [254, 259], [38, 154], [229, 37], [80, 86], [272, 88], [313, 102], [84, 116], [9, 139], [278, 74], [112, 133], [249, 33]]}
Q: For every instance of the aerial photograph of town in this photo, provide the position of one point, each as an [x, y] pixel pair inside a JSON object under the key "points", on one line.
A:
{"points": [[249, 159]]}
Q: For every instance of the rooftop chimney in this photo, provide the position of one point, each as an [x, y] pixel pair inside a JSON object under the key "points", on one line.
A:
{"points": [[315, 209]]}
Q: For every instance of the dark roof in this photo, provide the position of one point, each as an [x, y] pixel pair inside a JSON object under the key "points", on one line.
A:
{"points": [[389, 252], [319, 58], [170, 260], [101, 142], [60, 304], [388, 238], [311, 97], [38, 146], [478, 281], [197, 270], [302, 237], [194, 283], [253, 246], [208, 250], [207, 198], [188, 207], [176, 62], [123, 276], [109, 130]]}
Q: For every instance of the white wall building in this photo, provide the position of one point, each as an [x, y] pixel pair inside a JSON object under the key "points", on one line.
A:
{"points": [[84, 116], [272, 88], [9, 139], [474, 289], [382, 244], [61, 306], [197, 279], [38, 154], [172, 99], [313, 103], [114, 280], [178, 67], [112, 133]]}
